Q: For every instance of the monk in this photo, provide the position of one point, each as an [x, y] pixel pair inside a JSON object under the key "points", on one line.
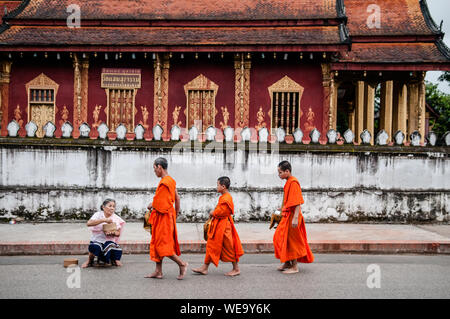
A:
{"points": [[223, 240], [164, 242], [289, 241]]}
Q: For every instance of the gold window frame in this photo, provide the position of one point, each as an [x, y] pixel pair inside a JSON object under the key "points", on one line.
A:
{"points": [[285, 85]]}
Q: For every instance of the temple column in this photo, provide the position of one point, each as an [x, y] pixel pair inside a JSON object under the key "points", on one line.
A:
{"points": [[77, 99], [334, 105], [351, 117], [399, 108], [328, 99], [413, 108], [5, 76], [84, 90], [422, 107], [242, 68], [359, 110], [161, 88], [369, 101], [386, 107]]}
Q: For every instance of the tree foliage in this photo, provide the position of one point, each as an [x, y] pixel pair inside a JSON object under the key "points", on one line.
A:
{"points": [[439, 101]]}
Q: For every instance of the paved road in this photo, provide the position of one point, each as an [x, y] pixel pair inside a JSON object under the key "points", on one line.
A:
{"points": [[330, 276]]}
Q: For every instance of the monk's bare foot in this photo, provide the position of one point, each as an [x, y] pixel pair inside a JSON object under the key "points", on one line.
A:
{"points": [[285, 266], [117, 263], [156, 274], [234, 272], [292, 270], [183, 270], [201, 270]]}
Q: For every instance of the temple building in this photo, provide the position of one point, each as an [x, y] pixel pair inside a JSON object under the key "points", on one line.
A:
{"points": [[249, 63]]}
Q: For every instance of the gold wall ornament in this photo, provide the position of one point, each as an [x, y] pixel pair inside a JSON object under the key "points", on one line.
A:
{"points": [[145, 114], [276, 92], [260, 116], [242, 68], [41, 92], [18, 115], [226, 117], [309, 125], [175, 115], [161, 90], [201, 95], [64, 115], [96, 115], [76, 92]]}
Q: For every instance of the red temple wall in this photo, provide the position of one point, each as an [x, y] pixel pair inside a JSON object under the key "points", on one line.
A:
{"points": [[144, 96], [218, 70], [23, 71], [266, 72]]}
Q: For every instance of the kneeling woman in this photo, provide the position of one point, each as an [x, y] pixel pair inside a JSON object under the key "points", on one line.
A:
{"points": [[105, 245]]}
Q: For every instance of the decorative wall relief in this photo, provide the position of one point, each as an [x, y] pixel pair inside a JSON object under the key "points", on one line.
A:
{"points": [[96, 115], [145, 114], [18, 115], [64, 115], [260, 116], [309, 124], [175, 115], [226, 117], [242, 66]]}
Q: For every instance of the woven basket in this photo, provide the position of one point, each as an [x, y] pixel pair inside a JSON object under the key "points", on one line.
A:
{"points": [[107, 228], [206, 228]]}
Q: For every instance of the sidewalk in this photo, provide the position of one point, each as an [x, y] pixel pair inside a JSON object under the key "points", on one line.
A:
{"points": [[73, 238]]}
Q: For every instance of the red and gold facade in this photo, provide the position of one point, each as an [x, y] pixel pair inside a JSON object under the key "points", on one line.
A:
{"points": [[232, 63]]}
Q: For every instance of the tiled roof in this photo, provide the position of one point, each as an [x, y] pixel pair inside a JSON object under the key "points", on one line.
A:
{"points": [[121, 36], [394, 53], [183, 9], [396, 17]]}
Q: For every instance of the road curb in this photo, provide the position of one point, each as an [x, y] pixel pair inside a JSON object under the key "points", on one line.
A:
{"points": [[250, 247]]}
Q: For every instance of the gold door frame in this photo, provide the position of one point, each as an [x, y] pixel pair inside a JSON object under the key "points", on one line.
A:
{"points": [[285, 85], [201, 83]]}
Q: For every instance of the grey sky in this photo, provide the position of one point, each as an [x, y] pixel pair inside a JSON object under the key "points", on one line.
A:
{"points": [[440, 10]]}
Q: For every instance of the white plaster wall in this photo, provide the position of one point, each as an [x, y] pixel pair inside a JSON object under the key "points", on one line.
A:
{"points": [[338, 187]]}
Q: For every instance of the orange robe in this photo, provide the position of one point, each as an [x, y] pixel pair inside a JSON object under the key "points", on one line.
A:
{"points": [[223, 240], [163, 217], [291, 243]]}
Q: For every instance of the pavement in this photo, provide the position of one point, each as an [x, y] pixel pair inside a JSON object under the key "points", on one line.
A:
{"points": [[331, 276], [73, 238]]}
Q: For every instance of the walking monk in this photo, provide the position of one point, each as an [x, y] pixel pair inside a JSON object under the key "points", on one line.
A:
{"points": [[164, 242], [289, 241], [223, 241]]}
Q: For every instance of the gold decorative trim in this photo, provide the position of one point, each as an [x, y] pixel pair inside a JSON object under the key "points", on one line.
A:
{"points": [[161, 91], [242, 68]]}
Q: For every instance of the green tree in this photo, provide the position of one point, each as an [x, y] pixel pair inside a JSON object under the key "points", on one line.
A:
{"points": [[445, 77], [439, 101]]}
